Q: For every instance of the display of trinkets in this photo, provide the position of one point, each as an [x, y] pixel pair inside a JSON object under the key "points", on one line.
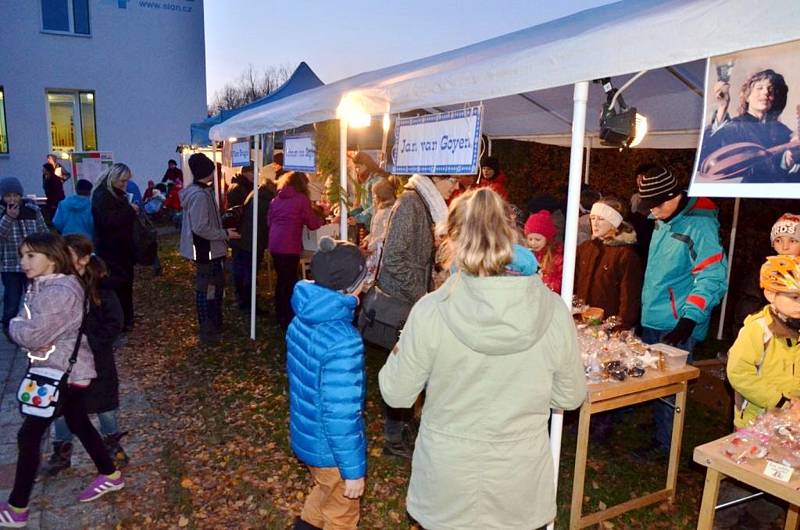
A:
{"points": [[774, 435], [611, 354]]}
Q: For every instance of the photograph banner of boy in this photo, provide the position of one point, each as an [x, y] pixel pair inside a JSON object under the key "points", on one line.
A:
{"points": [[447, 143], [749, 143]]}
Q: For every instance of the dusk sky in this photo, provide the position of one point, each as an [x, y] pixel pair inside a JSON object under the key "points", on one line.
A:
{"points": [[345, 37]]}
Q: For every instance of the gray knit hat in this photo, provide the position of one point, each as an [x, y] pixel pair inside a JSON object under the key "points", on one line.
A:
{"points": [[338, 265], [656, 186]]}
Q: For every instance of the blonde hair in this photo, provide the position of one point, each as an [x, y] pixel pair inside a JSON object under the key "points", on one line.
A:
{"points": [[114, 174], [622, 208], [480, 235]]}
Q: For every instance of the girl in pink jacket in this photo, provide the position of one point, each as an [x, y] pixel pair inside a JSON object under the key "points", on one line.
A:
{"points": [[47, 328]]}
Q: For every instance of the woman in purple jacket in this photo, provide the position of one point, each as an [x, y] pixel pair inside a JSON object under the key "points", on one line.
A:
{"points": [[289, 212]]}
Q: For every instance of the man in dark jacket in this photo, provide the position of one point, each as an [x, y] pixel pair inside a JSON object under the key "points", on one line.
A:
{"points": [[241, 186], [173, 173], [243, 248]]}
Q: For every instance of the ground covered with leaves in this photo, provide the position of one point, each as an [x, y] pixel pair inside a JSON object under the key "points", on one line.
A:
{"points": [[215, 450]]}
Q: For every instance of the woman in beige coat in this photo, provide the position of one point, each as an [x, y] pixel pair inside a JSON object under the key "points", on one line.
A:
{"points": [[494, 354]]}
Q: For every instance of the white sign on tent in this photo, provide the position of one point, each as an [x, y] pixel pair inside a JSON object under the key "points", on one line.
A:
{"points": [[438, 144], [300, 153], [240, 153]]}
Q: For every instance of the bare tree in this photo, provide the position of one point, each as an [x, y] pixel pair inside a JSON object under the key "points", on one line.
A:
{"points": [[249, 86]]}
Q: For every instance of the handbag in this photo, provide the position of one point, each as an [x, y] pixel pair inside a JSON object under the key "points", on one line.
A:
{"points": [[145, 241], [382, 315], [39, 391]]}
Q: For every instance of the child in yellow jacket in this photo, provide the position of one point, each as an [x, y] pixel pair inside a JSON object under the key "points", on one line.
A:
{"points": [[764, 362]]}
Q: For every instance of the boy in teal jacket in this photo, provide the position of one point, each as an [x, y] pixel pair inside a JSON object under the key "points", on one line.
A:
{"points": [[686, 275]]}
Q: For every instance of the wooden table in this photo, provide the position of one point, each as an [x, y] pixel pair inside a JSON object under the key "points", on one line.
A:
{"points": [[752, 473], [607, 396]]}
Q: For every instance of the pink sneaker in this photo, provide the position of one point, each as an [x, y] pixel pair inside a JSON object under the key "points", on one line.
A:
{"points": [[100, 486], [12, 519]]}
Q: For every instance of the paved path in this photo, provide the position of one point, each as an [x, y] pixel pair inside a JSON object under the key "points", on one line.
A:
{"points": [[54, 502]]}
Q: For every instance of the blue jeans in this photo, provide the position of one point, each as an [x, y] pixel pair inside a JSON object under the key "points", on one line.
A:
{"points": [[663, 413], [13, 288], [108, 426]]}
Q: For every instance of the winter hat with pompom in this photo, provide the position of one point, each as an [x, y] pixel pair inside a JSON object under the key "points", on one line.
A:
{"points": [[338, 265]]}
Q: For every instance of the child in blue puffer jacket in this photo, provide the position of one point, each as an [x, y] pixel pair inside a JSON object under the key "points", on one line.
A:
{"points": [[325, 364]]}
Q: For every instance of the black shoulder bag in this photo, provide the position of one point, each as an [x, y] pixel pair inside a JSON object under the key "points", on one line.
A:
{"points": [[383, 316]]}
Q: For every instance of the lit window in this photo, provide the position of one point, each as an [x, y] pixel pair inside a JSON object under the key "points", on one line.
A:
{"points": [[3, 129], [72, 121], [66, 16], [88, 124]]}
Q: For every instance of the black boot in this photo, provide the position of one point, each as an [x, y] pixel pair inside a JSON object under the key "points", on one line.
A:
{"points": [[60, 460], [205, 323], [115, 450], [404, 447], [300, 524]]}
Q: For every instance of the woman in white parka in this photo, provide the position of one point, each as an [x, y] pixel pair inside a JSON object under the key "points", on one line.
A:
{"points": [[494, 352]]}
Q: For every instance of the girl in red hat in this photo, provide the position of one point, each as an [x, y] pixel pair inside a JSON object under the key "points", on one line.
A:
{"points": [[540, 233]]}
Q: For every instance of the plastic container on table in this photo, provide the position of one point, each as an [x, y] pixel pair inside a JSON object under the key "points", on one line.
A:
{"points": [[674, 358]]}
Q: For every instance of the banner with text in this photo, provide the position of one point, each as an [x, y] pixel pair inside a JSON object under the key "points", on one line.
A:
{"points": [[300, 153], [240, 153], [438, 144]]}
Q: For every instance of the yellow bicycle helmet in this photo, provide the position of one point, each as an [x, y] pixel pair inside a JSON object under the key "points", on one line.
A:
{"points": [[781, 274]]}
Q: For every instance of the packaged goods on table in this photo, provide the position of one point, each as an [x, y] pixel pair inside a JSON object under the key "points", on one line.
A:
{"points": [[610, 354], [774, 436]]}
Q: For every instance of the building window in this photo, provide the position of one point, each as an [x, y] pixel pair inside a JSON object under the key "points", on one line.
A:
{"points": [[66, 16], [72, 121], [3, 128]]}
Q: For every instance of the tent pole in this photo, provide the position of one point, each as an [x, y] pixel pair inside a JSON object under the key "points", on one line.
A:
{"points": [[580, 98], [254, 232], [216, 174], [343, 179], [731, 246]]}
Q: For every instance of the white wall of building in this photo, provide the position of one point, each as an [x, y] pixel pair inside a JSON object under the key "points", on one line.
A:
{"points": [[145, 62]]}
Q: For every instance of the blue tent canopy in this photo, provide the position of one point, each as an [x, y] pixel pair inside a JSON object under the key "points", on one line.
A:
{"points": [[301, 79]]}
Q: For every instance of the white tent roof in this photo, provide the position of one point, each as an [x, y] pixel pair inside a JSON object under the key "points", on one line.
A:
{"points": [[524, 78]]}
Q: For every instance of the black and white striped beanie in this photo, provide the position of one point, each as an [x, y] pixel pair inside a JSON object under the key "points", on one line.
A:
{"points": [[656, 186]]}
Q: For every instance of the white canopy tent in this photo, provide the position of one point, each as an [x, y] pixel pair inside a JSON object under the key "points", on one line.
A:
{"points": [[542, 61], [525, 81]]}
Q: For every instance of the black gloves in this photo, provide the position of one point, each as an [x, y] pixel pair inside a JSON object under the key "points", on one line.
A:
{"points": [[681, 332]]}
